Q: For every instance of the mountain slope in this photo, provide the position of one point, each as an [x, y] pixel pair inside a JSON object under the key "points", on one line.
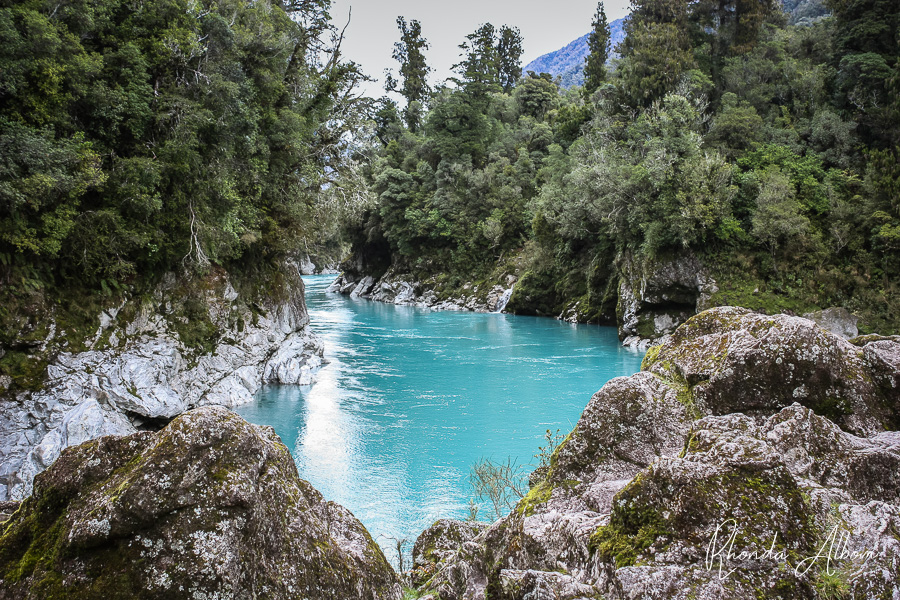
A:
{"points": [[568, 62]]}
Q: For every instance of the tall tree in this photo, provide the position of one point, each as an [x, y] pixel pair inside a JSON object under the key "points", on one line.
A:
{"points": [[656, 50], [598, 44], [480, 67], [413, 70], [509, 57]]}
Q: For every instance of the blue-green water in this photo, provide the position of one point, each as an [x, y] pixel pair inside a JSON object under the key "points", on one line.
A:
{"points": [[411, 398]]}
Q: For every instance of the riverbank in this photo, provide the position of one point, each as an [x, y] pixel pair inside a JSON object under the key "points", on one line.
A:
{"points": [[752, 456]]}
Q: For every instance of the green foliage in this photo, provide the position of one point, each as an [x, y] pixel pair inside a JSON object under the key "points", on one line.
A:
{"points": [[598, 46], [413, 69], [137, 140]]}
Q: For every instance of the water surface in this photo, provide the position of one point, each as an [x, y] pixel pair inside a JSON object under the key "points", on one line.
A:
{"points": [[411, 398]]}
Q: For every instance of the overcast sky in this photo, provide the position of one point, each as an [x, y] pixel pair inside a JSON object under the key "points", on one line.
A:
{"points": [[545, 26]]}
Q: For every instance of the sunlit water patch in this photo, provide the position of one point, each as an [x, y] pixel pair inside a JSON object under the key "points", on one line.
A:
{"points": [[411, 398]]}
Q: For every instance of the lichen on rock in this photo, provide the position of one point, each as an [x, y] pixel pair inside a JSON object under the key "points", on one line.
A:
{"points": [[708, 476], [209, 507], [735, 360]]}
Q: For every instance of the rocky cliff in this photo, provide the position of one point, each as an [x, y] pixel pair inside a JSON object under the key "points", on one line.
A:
{"points": [[396, 288], [753, 457], [188, 343], [209, 507]]}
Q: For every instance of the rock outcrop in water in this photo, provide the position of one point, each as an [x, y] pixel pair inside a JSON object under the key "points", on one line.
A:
{"points": [[657, 296], [709, 475], [394, 288], [141, 373], [209, 507]]}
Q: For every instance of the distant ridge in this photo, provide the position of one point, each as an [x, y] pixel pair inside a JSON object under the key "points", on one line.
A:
{"points": [[568, 62]]}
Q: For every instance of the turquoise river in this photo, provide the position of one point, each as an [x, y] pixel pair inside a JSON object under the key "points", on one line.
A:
{"points": [[410, 399]]}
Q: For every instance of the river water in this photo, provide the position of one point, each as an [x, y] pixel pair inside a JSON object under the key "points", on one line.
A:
{"points": [[411, 398]]}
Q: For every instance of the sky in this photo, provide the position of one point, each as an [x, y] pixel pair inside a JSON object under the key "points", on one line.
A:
{"points": [[545, 27]]}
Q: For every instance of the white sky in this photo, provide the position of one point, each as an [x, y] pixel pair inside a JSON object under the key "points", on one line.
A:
{"points": [[545, 26]]}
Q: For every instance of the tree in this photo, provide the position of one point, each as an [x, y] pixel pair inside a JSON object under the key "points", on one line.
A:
{"points": [[413, 69], [135, 142], [480, 67], [656, 50], [778, 217], [509, 57], [598, 45]]}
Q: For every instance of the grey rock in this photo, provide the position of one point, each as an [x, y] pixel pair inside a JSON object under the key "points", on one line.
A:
{"points": [[209, 507], [398, 289], [656, 296], [883, 359], [734, 360], [151, 377], [839, 321]]}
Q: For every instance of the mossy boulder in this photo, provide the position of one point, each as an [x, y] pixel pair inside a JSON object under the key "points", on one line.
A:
{"points": [[760, 501], [209, 507], [882, 356], [439, 542], [735, 360], [729, 425], [626, 426]]}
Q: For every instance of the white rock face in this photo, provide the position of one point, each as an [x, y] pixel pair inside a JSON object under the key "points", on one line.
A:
{"points": [[391, 288], [151, 377], [655, 298]]}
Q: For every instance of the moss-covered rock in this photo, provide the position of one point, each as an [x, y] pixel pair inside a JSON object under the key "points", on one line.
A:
{"points": [[439, 542], [636, 492], [209, 507], [735, 360]]}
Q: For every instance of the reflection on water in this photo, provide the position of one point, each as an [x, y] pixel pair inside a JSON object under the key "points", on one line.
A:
{"points": [[410, 398]]}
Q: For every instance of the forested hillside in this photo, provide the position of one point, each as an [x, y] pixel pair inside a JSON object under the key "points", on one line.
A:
{"points": [[768, 151], [165, 136]]}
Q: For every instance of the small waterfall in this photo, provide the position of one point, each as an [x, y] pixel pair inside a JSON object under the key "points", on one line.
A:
{"points": [[504, 299]]}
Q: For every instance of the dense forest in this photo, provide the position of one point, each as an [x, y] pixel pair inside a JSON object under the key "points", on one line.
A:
{"points": [[175, 136], [138, 139], [767, 149]]}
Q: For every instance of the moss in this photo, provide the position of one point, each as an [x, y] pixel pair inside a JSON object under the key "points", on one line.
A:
{"points": [[632, 529], [536, 496], [192, 324], [831, 407], [646, 327], [650, 357], [28, 371]]}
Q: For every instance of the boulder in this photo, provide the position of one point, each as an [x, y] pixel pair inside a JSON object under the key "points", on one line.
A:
{"points": [[209, 507], [839, 321], [882, 356], [735, 360]]}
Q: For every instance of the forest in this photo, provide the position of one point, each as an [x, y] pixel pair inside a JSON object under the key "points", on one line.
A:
{"points": [[172, 136], [762, 138]]}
